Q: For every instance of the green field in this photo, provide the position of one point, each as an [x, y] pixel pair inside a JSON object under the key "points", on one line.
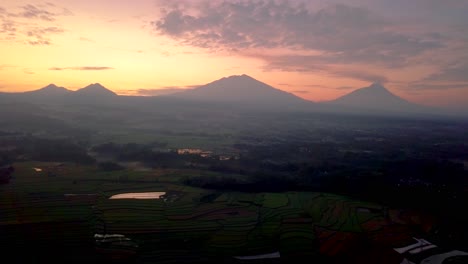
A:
{"points": [[193, 222]]}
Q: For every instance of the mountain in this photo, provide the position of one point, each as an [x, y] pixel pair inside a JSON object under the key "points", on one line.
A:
{"points": [[48, 93], [50, 90], [376, 98], [94, 90], [241, 89]]}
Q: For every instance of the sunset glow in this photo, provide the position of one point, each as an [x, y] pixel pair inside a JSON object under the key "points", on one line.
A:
{"points": [[316, 49]]}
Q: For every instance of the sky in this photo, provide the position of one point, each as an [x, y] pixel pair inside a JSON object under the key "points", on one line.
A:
{"points": [[315, 49]]}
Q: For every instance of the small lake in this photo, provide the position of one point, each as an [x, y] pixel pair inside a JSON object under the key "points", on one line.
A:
{"points": [[142, 195]]}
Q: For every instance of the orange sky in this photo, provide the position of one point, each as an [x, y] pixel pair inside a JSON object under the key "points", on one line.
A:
{"points": [[312, 50]]}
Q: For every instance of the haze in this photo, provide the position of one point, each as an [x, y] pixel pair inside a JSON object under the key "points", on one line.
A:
{"points": [[317, 50], [236, 131]]}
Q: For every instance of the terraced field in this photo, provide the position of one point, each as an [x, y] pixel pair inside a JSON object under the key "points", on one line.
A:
{"points": [[295, 224], [189, 223]]}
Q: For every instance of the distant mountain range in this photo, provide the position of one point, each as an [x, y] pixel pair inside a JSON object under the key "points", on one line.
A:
{"points": [[52, 93], [49, 90], [241, 91]]}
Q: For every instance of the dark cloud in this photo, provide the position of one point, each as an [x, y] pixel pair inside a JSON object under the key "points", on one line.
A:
{"points": [[297, 63], [318, 64], [92, 68], [434, 86], [348, 34], [46, 12], [359, 75], [326, 38], [39, 42], [8, 28], [457, 72], [40, 35], [32, 11], [85, 68], [33, 24]]}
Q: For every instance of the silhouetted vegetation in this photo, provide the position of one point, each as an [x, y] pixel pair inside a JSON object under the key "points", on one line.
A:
{"points": [[110, 166], [42, 149]]}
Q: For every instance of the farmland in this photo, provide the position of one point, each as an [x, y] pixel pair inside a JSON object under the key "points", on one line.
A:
{"points": [[190, 223]]}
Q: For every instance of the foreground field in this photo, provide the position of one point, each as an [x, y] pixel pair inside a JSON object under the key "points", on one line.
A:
{"points": [[65, 205]]}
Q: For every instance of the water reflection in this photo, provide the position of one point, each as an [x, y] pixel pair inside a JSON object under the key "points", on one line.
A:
{"points": [[143, 195]]}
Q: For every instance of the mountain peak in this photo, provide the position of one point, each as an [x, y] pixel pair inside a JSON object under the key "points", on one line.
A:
{"points": [[53, 87], [244, 77], [376, 88], [95, 86], [50, 90], [375, 97], [242, 89], [240, 76], [50, 86], [96, 89], [377, 85]]}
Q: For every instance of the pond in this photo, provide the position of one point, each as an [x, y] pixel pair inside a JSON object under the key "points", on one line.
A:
{"points": [[142, 195]]}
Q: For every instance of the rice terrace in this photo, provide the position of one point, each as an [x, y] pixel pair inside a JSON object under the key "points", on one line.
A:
{"points": [[182, 223]]}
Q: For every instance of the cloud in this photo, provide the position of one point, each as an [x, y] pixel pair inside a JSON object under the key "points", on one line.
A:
{"points": [[295, 63], [32, 24], [318, 64], [359, 75], [346, 34], [457, 72], [379, 38], [47, 12], [40, 35], [164, 90], [32, 11], [435, 86], [83, 68], [8, 28]]}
